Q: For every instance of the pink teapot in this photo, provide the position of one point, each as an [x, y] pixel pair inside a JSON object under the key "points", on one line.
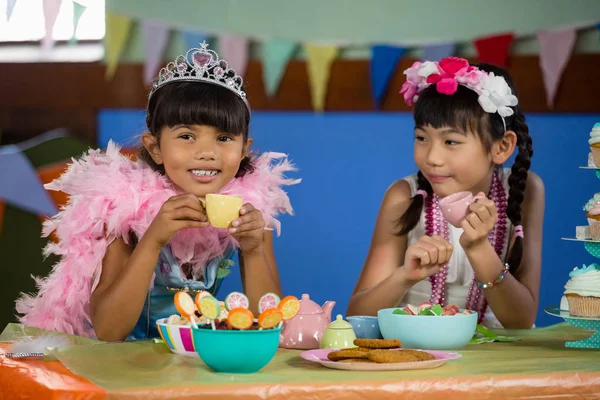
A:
{"points": [[305, 330]]}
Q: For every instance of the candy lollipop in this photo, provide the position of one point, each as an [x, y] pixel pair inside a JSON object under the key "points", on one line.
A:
{"points": [[240, 318], [289, 307], [200, 295], [185, 306], [210, 308], [269, 300], [269, 318], [236, 300]]}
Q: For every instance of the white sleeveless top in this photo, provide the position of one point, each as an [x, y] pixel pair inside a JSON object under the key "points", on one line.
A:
{"points": [[460, 271]]}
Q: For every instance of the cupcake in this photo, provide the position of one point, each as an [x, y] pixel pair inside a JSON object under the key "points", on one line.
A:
{"points": [[592, 209], [583, 291], [595, 143]]}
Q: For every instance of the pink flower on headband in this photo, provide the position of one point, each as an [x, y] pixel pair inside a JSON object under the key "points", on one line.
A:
{"points": [[449, 69]]}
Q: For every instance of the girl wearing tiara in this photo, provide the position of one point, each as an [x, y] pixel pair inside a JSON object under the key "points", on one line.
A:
{"points": [[134, 232], [467, 124]]}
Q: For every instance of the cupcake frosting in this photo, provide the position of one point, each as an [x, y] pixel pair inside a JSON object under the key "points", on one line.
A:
{"points": [[595, 134], [584, 281], [592, 202], [595, 210]]}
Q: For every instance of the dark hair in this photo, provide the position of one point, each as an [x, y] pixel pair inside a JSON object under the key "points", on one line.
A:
{"points": [[196, 103], [463, 112]]}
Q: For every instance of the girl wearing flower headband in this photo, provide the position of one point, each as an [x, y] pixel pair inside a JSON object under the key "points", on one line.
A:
{"points": [[134, 232], [467, 124]]}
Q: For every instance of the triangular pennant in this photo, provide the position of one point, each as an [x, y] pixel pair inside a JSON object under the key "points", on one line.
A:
{"points": [[234, 49], [10, 6], [193, 39], [555, 50], [78, 10], [436, 52], [22, 187], [51, 9], [494, 49], [155, 37], [275, 56], [118, 28], [319, 59], [384, 60]]}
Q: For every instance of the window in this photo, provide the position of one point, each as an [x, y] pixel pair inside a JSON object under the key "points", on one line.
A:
{"points": [[27, 21]]}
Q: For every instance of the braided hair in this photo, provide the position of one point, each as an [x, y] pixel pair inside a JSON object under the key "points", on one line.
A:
{"points": [[462, 111]]}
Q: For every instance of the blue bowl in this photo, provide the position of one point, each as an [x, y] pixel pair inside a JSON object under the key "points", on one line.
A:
{"points": [[236, 352], [428, 332], [365, 326]]}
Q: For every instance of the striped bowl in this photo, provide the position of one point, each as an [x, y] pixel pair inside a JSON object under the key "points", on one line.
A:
{"points": [[178, 338]]}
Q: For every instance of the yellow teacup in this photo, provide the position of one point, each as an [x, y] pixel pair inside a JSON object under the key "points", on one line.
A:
{"points": [[221, 209]]}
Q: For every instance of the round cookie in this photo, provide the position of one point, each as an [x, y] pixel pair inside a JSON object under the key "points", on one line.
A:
{"points": [[378, 343]]}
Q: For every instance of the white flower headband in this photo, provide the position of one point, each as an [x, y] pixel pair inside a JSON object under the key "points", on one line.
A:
{"points": [[494, 93]]}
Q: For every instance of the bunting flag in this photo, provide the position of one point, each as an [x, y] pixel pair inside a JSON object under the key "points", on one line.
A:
{"points": [[494, 49], [22, 187], [384, 60], [275, 57], [193, 39], [436, 52], [155, 36], [319, 59], [555, 50], [78, 10], [51, 9], [10, 6], [234, 49], [117, 32]]}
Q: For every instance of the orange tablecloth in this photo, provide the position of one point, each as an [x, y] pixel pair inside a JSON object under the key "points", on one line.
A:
{"points": [[537, 367], [42, 380]]}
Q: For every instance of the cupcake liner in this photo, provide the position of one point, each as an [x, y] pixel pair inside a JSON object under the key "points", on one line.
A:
{"points": [[594, 228], [596, 155], [584, 306]]}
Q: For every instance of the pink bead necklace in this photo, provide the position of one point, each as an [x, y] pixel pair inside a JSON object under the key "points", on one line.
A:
{"points": [[435, 224]]}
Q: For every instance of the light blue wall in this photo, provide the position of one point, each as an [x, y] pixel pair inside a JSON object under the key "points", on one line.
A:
{"points": [[347, 161]]}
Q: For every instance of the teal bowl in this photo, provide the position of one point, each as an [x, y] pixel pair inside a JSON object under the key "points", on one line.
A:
{"points": [[428, 332], [236, 352]]}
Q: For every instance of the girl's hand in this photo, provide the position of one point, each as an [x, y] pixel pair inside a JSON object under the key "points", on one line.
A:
{"points": [[248, 229], [177, 213], [426, 257], [479, 223]]}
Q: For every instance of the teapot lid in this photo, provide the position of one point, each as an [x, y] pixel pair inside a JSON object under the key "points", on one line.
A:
{"points": [[307, 306], [339, 323]]}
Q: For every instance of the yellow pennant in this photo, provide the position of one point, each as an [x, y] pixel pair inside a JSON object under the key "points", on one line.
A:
{"points": [[319, 59], [118, 28]]}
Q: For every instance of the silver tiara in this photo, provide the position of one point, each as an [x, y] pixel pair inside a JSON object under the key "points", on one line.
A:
{"points": [[200, 65]]}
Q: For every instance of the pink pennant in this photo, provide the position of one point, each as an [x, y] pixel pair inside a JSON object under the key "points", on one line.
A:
{"points": [[155, 40], [51, 9], [234, 49], [555, 50]]}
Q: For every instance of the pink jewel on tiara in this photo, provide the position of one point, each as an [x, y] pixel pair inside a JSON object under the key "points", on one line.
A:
{"points": [[201, 59]]}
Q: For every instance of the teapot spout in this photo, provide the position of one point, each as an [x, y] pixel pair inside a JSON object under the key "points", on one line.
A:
{"points": [[328, 308]]}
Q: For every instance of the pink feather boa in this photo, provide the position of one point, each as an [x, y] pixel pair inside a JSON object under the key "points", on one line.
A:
{"points": [[111, 196]]}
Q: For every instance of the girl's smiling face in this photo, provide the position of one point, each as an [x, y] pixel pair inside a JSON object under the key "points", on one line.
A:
{"points": [[199, 159]]}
